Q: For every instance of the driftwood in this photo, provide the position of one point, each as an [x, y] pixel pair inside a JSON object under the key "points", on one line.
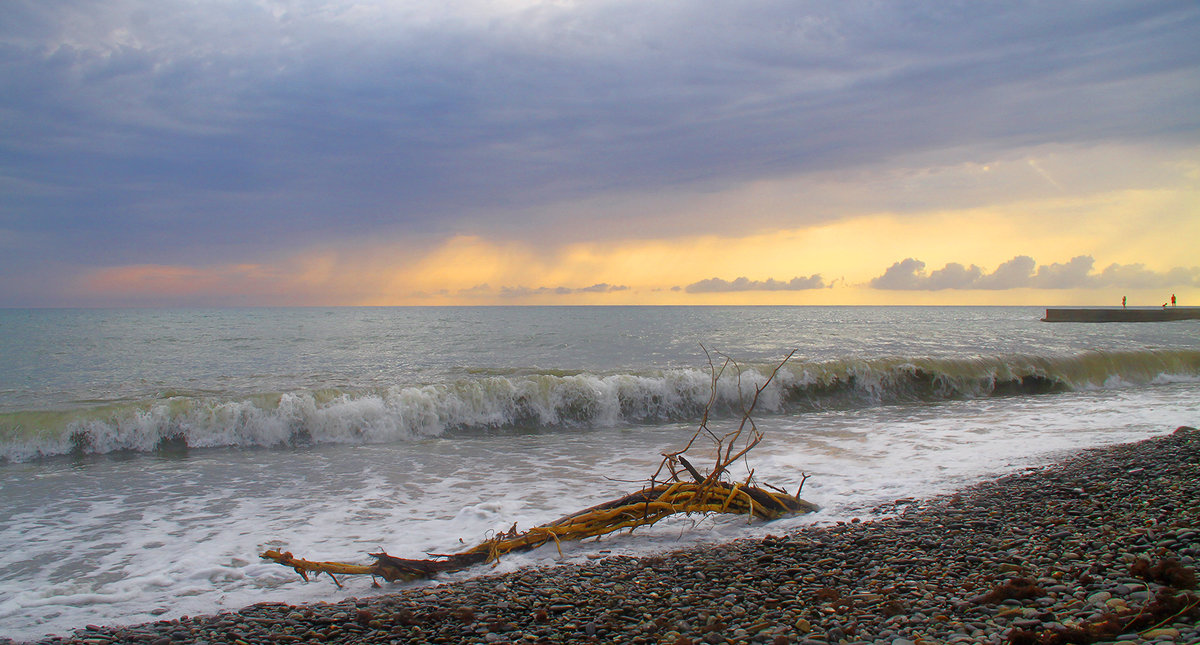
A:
{"points": [[683, 491]]}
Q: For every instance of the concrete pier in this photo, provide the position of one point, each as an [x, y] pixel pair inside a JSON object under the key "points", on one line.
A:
{"points": [[1114, 314]]}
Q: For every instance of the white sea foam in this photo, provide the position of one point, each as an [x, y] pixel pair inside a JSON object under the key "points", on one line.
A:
{"points": [[548, 401], [115, 539]]}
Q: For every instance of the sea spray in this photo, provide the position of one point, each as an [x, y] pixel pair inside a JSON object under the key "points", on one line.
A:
{"points": [[546, 402]]}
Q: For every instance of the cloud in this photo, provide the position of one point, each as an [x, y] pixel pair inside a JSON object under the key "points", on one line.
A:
{"points": [[477, 290], [1022, 272], [717, 285], [1073, 274], [907, 274], [524, 292], [1014, 274], [953, 276], [602, 287]]}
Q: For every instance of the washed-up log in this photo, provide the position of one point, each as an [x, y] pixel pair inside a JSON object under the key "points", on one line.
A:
{"points": [[642, 508], [704, 494]]}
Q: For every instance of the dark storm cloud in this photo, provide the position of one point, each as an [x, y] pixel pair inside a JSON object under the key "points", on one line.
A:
{"points": [[717, 285], [1023, 272], [153, 131]]}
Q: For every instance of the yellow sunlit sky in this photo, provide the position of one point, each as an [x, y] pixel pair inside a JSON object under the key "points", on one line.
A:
{"points": [[1149, 227]]}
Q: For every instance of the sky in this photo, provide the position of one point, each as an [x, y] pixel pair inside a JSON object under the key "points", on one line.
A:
{"points": [[326, 152]]}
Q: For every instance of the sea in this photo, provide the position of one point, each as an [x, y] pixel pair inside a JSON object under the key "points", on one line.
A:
{"points": [[147, 457]]}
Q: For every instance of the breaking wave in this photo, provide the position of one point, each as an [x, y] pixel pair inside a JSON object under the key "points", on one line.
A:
{"points": [[544, 401]]}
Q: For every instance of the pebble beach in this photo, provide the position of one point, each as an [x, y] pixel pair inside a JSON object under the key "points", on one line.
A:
{"points": [[1100, 547]]}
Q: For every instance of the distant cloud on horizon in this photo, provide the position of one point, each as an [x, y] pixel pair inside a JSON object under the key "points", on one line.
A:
{"points": [[717, 285], [523, 291], [1022, 272]]}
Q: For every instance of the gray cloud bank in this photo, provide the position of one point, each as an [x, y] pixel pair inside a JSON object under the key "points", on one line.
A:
{"points": [[332, 115], [717, 285], [1023, 272]]}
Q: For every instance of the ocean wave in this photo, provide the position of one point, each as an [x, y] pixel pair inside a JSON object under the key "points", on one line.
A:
{"points": [[543, 401]]}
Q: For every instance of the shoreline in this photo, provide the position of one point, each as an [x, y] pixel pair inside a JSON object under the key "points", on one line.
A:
{"points": [[1085, 543]]}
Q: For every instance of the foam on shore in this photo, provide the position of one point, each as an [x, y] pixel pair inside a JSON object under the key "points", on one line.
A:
{"points": [[1107, 534]]}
